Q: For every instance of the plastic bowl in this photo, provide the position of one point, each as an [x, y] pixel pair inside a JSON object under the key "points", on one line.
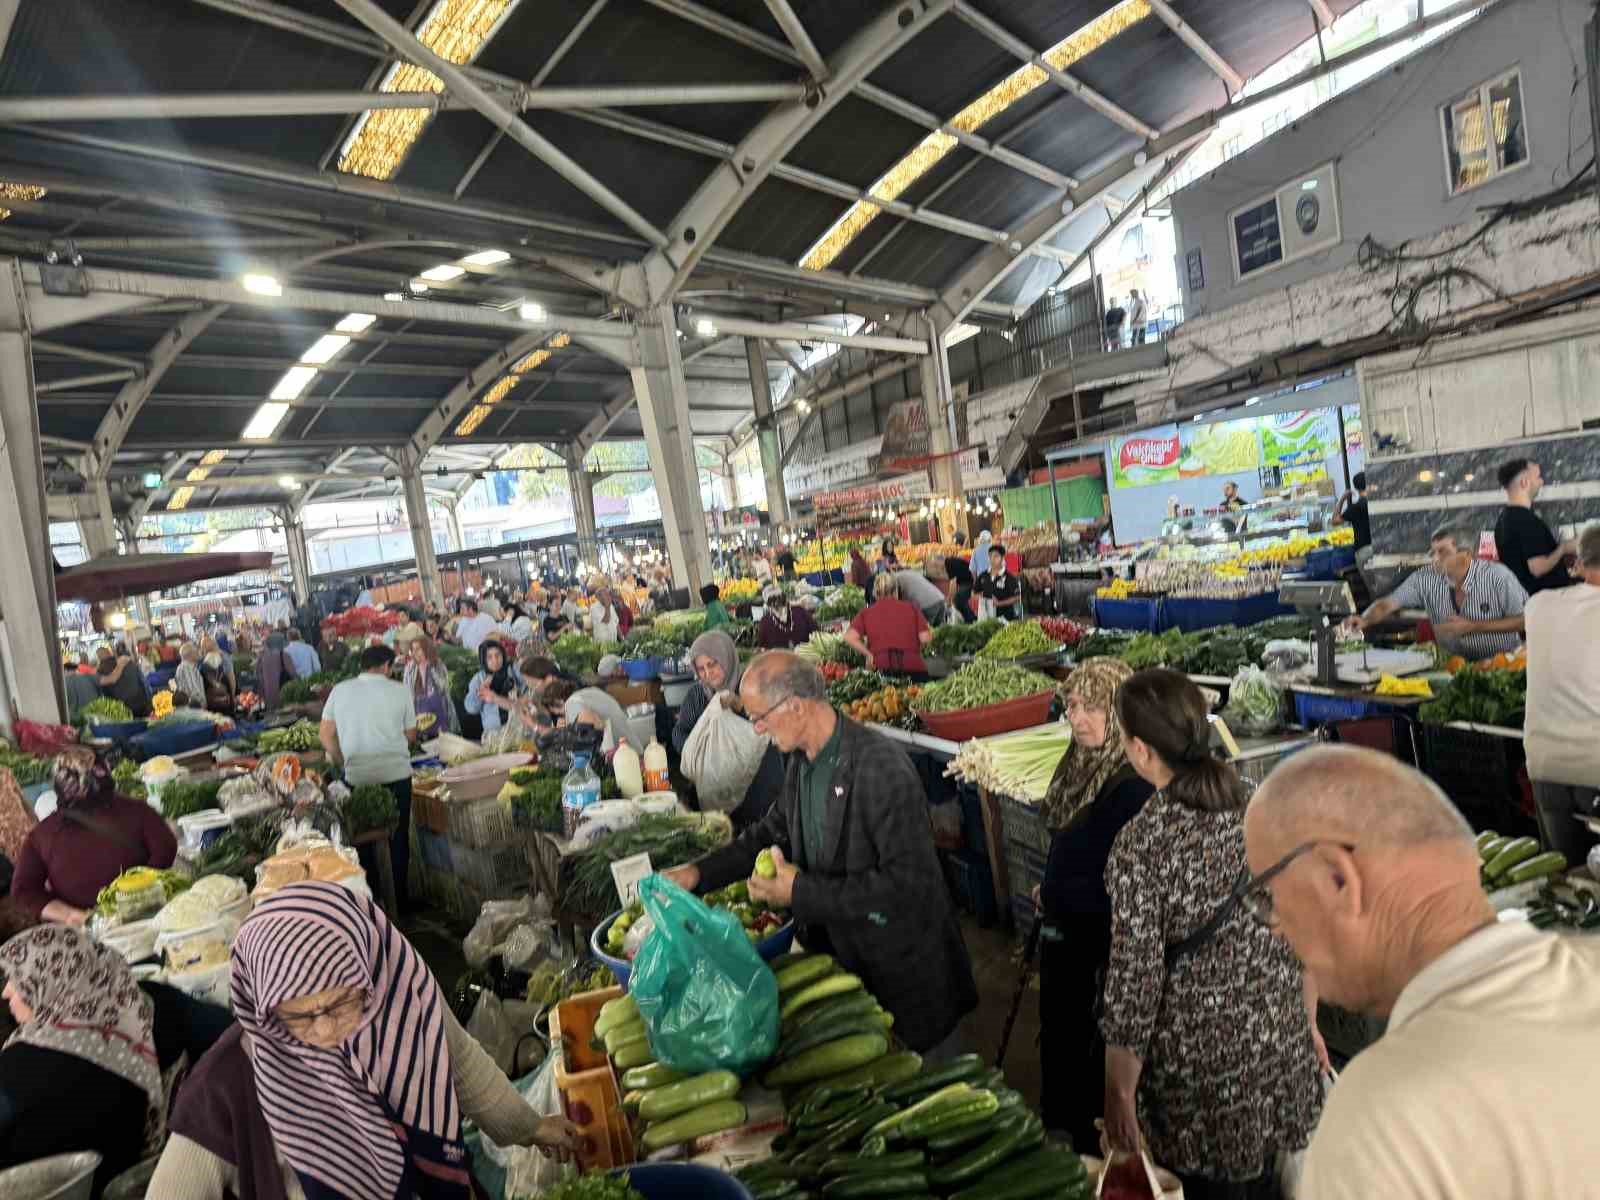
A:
{"points": [[769, 948], [963, 724], [641, 670], [682, 1181]]}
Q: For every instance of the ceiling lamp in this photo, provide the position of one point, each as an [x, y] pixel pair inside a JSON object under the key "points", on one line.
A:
{"points": [[932, 148], [443, 273], [487, 258], [266, 421], [358, 322], [261, 284]]}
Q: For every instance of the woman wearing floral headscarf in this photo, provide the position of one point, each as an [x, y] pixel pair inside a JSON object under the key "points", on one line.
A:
{"points": [[346, 1075], [80, 1072], [16, 817], [92, 837], [1092, 795]]}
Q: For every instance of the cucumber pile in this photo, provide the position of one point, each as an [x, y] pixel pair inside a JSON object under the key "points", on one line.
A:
{"points": [[865, 1121], [895, 1130], [670, 1107], [1508, 861]]}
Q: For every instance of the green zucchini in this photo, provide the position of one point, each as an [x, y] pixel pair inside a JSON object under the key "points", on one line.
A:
{"points": [[619, 1034], [1008, 1097], [836, 1110], [615, 1012], [1059, 1170], [1509, 855], [964, 1068], [828, 1059], [851, 1004], [633, 1054], [697, 1122], [824, 1097], [775, 1189], [1484, 838], [885, 1072], [652, 1075], [797, 975], [675, 1098], [788, 958], [889, 1183], [858, 1164], [848, 1131], [994, 1152], [954, 1136], [1487, 850], [944, 1116], [832, 985], [1552, 862], [828, 1031], [890, 1125]]}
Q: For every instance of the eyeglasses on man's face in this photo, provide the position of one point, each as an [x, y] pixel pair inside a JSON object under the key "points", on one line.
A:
{"points": [[761, 718], [1256, 894]]}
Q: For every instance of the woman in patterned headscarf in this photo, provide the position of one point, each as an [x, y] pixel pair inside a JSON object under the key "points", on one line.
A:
{"points": [[80, 1072], [16, 818], [346, 1075], [1092, 795]]}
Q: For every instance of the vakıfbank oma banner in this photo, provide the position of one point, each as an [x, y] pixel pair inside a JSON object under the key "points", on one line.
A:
{"points": [[1145, 458]]}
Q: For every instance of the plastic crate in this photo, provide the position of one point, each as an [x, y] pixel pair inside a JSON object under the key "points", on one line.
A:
{"points": [[972, 885], [1024, 868], [1022, 825], [1257, 767], [435, 849], [1140, 615], [590, 1094], [491, 871], [1482, 773], [429, 807], [481, 823], [1312, 709]]}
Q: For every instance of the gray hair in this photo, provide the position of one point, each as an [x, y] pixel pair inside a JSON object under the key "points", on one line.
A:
{"points": [[887, 586], [1589, 548], [780, 675], [1458, 535]]}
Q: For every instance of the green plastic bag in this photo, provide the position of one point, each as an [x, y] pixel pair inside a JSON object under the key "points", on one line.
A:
{"points": [[707, 999]]}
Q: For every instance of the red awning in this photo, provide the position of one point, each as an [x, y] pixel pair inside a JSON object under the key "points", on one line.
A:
{"points": [[114, 576]]}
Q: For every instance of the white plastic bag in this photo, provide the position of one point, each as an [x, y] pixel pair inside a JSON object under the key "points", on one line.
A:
{"points": [[529, 1172], [722, 756], [493, 1030]]}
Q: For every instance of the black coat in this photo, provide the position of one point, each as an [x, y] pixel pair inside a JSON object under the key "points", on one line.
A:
{"points": [[880, 904]]}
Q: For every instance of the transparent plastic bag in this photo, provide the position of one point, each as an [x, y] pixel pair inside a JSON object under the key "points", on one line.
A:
{"points": [[722, 756], [493, 1030], [496, 919], [528, 1171], [707, 999]]}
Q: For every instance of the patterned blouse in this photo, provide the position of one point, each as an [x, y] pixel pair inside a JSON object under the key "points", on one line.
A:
{"points": [[1230, 1074]]}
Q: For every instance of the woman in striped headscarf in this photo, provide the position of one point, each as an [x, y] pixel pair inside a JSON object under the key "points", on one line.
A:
{"points": [[346, 1075]]}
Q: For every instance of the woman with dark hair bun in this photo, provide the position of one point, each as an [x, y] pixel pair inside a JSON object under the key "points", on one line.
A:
{"points": [[1212, 1054]]}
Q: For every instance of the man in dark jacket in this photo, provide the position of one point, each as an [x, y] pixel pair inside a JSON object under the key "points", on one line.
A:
{"points": [[854, 820]]}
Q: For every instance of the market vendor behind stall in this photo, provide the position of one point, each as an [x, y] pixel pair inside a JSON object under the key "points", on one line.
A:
{"points": [[890, 632], [92, 837], [864, 882], [1475, 606], [784, 625]]}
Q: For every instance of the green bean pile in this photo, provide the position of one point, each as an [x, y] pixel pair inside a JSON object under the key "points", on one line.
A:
{"points": [[981, 682]]}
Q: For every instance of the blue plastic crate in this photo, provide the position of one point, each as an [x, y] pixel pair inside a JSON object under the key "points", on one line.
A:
{"points": [[435, 849], [641, 670], [972, 885], [1190, 615], [1313, 709], [1141, 615]]}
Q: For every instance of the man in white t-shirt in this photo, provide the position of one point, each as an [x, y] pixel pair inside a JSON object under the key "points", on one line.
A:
{"points": [[1564, 703], [368, 725], [474, 626], [1482, 1086]]}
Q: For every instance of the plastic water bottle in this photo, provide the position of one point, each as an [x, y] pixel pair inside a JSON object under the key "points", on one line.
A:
{"points": [[579, 789]]}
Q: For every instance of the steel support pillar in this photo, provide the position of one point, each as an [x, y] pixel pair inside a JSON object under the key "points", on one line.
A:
{"points": [[663, 398], [421, 528], [767, 433], [294, 536], [580, 484], [944, 472], [29, 638], [99, 528], [458, 540]]}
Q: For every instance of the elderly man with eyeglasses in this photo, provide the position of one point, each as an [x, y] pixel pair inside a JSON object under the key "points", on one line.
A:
{"points": [[855, 857], [1483, 1083]]}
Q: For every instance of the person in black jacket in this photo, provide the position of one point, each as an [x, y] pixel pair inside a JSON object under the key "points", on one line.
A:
{"points": [[1092, 795], [715, 659], [81, 1072], [855, 856]]}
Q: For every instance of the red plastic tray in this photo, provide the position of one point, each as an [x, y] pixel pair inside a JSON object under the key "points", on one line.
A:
{"points": [[962, 724]]}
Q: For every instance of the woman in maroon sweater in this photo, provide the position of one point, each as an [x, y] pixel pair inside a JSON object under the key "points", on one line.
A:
{"points": [[92, 837]]}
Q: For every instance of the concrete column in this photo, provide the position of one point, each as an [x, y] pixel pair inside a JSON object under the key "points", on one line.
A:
{"points": [[98, 526], [421, 528], [294, 536], [29, 638], [767, 433], [937, 402], [580, 485], [458, 540], [663, 398]]}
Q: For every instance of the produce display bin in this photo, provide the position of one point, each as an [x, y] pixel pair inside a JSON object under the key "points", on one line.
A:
{"points": [[482, 824], [173, 740], [1140, 615], [1191, 615], [963, 724], [776, 943], [590, 1094], [971, 884], [117, 731], [1483, 773], [1312, 708]]}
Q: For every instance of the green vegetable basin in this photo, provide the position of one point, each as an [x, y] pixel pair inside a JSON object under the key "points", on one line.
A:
{"points": [[769, 947]]}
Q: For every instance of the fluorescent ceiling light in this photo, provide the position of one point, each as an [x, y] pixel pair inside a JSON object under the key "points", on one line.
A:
{"points": [[418, 286], [262, 285], [266, 421], [529, 311], [443, 273], [359, 322], [288, 482], [293, 383], [487, 258], [705, 328], [323, 349], [152, 480], [393, 297]]}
